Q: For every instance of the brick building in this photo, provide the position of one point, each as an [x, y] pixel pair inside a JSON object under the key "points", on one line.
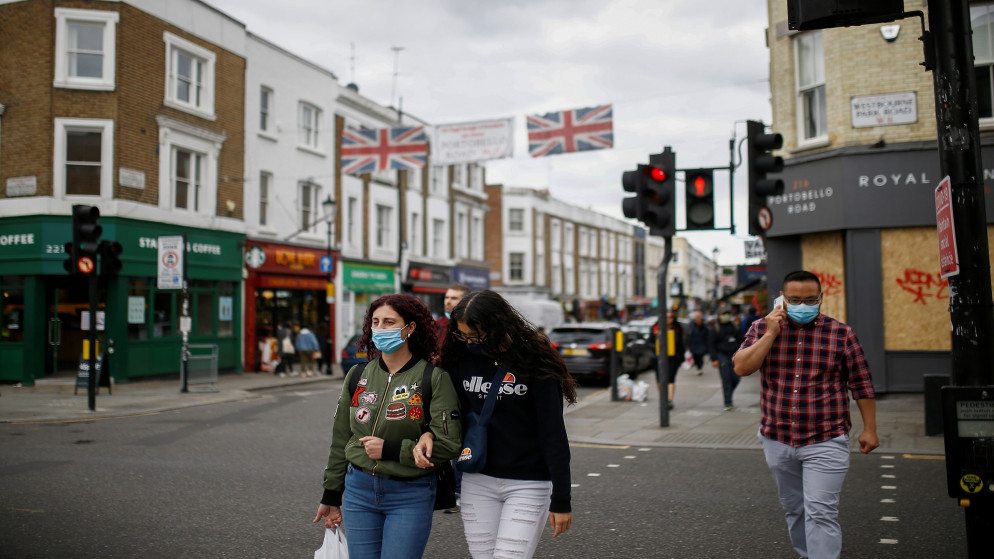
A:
{"points": [[857, 113], [136, 108]]}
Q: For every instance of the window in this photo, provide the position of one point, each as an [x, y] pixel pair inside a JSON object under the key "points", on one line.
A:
{"points": [[382, 226], [414, 179], [310, 119], [350, 225], [308, 203], [461, 240], [84, 157], [477, 239], [812, 111], [187, 179], [189, 76], [438, 238], [437, 178], [982, 20], [517, 266], [459, 175], [265, 108], [85, 49], [516, 219], [264, 180], [568, 238]]}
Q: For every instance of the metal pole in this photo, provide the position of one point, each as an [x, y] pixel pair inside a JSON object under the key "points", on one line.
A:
{"points": [[970, 305], [91, 381], [613, 362], [662, 337], [731, 181], [184, 327]]}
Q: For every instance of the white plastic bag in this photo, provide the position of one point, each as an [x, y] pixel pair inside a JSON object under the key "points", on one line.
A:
{"points": [[624, 387], [334, 546], [640, 391]]}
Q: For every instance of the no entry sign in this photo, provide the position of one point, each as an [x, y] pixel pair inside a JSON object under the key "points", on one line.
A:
{"points": [[948, 256]]}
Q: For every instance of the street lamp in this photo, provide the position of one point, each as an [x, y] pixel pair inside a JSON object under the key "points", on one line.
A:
{"points": [[329, 215]]}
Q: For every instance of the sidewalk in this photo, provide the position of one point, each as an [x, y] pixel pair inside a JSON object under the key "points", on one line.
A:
{"points": [[697, 421]]}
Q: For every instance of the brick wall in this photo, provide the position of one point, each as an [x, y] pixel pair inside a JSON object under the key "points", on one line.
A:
{"points": [[494, 231]]}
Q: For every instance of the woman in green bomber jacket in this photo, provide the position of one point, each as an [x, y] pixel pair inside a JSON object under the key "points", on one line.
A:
{"points": [[371, 479]]}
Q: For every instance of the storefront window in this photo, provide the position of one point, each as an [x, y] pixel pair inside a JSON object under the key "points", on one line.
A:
{"points": [[138, 310], [163, 310], [205, 314], [12, 309]]}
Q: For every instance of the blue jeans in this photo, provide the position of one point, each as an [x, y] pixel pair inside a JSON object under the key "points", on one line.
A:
{"points": [[387, 518], [809, 481], [729, 380]]}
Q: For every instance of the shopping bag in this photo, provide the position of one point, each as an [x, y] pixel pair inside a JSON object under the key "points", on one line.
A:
{"points": [[287, 346], [334, 546]]}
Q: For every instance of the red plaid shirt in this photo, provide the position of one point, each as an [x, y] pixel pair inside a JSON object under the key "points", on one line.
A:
{"points": [[803, 397]]}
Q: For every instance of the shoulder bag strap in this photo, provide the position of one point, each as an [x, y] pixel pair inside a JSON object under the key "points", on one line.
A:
{"points": [[491, 401], [354, 377]]}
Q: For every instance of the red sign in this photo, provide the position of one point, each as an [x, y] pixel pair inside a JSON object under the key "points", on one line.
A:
{"points": [[85, 264], [765, 218], [948, 255], [273, 258]]}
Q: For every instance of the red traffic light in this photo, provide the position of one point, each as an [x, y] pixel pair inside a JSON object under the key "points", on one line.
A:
{"points": [[657, 174]]}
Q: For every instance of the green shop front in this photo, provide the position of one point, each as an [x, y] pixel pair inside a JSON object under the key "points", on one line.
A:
{"points": [[362, 283], [41, 314]]}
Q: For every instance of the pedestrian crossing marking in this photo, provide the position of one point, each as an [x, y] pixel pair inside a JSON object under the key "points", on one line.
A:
{"points": [[887, 501], [888, 476], [889, 518], [888, 487], [888, 541]]}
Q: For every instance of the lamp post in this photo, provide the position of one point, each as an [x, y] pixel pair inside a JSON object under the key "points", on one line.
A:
{"points": [[717, 281], [328, 205]]}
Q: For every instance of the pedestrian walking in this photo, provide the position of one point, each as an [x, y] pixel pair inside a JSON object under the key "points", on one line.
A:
{"points": [[453, 295], [807, 362], [725, 341], [698, 340], [308, 349], [676, 358], [286, 350], [374, 482], [526, 476]]}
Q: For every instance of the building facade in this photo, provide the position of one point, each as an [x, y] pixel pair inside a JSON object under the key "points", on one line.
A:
{"points": [[136, 108], [857, 113]]}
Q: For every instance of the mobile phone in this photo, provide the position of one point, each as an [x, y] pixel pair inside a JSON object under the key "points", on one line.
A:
{"points": [[778, 303]]}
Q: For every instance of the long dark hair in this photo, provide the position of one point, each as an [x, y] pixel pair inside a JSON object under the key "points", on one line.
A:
{"points": [[423, 342], [504, 327]]}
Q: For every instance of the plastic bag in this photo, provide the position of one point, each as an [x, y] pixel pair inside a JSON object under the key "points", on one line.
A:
{"points": [[334, 546], [624, 387], [640, 391]]}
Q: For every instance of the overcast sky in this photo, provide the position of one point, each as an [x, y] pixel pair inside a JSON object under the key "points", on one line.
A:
{"points": [[680, 73]]}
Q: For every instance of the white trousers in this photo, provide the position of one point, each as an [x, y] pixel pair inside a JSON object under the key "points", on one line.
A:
{"points": [[503, 518]]}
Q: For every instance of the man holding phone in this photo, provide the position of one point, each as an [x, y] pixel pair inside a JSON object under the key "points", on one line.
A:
{"points": [[808, 361]]}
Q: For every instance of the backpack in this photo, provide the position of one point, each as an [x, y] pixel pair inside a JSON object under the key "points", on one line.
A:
{"points": [[445, 475]]}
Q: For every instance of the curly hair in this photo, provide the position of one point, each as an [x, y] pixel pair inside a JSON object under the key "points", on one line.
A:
{"points": [[423, 342], [490, 314]]}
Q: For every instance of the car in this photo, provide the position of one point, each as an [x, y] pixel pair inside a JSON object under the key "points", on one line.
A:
{"points": [[352, 355], [586, 349]]}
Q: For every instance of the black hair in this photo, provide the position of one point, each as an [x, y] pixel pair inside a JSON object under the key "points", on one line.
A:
{"points": [[800, 275], [504, 327]]}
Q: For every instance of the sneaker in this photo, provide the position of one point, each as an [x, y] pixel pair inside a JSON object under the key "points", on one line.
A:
{"points": [[728, 407], [699, 372], [669, 405], [453, 510]]}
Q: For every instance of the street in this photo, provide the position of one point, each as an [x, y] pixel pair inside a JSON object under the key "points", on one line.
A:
{"points": [[243, 479]]}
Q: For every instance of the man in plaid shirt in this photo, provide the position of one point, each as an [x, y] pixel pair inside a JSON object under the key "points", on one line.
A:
{"points": [[807, 362]]}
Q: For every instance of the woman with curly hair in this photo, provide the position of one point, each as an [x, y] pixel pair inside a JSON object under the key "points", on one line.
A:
{"points": [[526, 478], [372, 480]]}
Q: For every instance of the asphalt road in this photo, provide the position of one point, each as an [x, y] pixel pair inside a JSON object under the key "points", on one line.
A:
{"points": [[244, 479]]}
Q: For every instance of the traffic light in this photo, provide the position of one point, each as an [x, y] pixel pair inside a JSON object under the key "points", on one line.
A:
{"points": [[69, 264], [85, 238], [761, 162], [653, 185], [110, 258], [699, 199], [634, 181]]}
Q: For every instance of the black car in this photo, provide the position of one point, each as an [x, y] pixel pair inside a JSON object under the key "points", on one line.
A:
{"points": [[586, 349]]}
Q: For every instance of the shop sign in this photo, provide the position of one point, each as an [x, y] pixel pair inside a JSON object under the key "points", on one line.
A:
{"points": [[365, 278], [475, 278], [271, 258], [428, 274]]}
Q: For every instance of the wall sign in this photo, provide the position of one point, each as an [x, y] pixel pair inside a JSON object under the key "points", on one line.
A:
{"points": [[884, 110]]}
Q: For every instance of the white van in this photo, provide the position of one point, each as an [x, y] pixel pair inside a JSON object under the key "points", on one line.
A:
{"points": [[542, 313]]}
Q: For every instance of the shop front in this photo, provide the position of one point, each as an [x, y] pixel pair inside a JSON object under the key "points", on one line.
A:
{"points": [[43, 306], [362, 283], [286, 284], [429, 282], [475, 278]]}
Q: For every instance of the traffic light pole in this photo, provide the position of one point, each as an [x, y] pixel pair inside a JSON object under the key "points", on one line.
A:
{"points": [[91, 381], [662, 335], [970, 304]]}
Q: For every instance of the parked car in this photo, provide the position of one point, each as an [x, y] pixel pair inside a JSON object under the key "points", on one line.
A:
{"points": [[586, 349], [352, 355]]}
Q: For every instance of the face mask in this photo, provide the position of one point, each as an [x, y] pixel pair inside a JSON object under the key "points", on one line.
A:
{"points": [[476, 349], [725, 318], [448, 314], [387, 340], [802, 314]]}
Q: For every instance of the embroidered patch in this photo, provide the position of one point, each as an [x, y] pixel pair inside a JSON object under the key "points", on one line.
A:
{"points": [[415, 413], [509, 377], [415, 386], [415, 400], [362, 415], [396, 410], [369, 398], [362, 382], [467, 454], [454, 414], [355, 397]]}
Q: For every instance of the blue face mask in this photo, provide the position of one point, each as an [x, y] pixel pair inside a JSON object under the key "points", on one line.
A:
{"points": [[802, 314], [448, 314], [388, 340]]}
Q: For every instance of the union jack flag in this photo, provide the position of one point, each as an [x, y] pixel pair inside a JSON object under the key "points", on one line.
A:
{"points": [[365, 151], [569, 131]]}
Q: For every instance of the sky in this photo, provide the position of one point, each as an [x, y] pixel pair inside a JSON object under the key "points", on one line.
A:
{"points": [[679, 73]]}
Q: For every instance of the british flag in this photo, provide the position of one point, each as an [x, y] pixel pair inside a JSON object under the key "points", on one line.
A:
{"points": [[365, 151], [569, 131]]}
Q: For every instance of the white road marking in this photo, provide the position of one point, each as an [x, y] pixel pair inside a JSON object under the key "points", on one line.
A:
{"points": [[614, 465], [629, 457], [888, 487], [593, 475], [887, 541], [886, 457], [887, 501], [644, 449], [889, 518], [888, 476], [887, 466]]}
